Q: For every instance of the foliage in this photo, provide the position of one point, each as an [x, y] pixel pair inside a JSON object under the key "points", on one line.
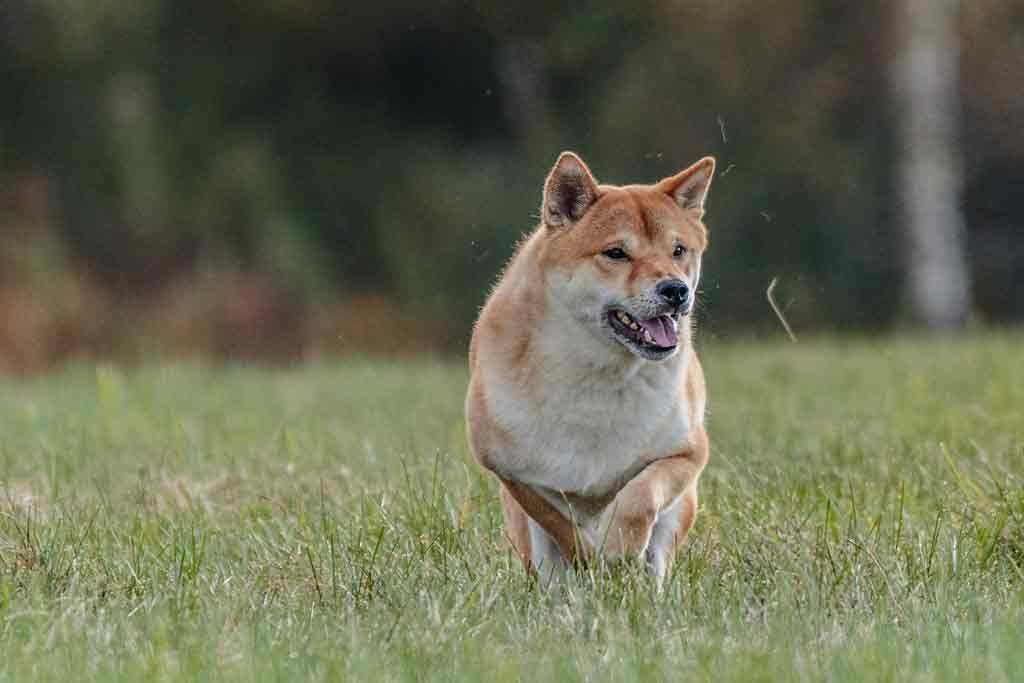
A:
{"points": [[388, 150]]}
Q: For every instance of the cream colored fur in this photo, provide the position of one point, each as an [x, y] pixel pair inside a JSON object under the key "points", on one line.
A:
{"points": [[598, 446]]}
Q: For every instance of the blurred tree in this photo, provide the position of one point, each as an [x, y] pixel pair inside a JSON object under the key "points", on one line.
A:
{"points": [[992, 59], [926, 94], [392, 153]]}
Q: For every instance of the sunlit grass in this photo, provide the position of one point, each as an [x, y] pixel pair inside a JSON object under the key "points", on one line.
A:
{"points": [[862, 518]]}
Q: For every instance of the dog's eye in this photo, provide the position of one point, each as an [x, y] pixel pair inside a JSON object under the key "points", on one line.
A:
{"points": [[616, 254], [680, 250]]}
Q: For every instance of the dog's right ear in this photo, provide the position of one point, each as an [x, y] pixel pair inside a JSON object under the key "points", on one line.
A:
{"points": [[568, 192]]}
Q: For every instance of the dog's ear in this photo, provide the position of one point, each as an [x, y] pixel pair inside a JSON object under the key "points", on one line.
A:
{"points": [[568, 192], [690, 187]]}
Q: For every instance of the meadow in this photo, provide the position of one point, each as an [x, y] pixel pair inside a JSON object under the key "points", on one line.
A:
{"points": [[861, 518]]}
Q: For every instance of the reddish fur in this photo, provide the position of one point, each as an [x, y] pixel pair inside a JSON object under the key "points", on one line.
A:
{"points": [[652, 219]]}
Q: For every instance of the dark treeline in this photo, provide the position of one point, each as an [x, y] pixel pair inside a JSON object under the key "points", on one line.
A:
{"points": [[273, 176]]}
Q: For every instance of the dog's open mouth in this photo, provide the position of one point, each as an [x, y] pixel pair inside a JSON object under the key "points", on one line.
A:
{"points": [[657, 336]]}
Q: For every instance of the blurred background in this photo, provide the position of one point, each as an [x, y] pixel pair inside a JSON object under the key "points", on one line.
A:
{"points": [[280, 179]]}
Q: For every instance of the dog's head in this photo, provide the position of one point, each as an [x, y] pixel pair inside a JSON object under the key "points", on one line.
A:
{"points": [[625, 261]]}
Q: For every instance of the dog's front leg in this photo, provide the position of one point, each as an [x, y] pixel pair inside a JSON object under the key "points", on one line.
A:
{"points": [[557, 526], [655, 509]]}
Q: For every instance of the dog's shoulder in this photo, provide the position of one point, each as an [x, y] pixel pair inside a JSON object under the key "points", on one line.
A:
{"points": [[694, 389]]}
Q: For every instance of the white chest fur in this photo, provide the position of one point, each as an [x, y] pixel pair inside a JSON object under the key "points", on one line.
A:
{"points": [[591, 418]]}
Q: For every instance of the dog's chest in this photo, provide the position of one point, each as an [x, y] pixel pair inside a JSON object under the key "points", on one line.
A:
{"points": [[588, 431]]}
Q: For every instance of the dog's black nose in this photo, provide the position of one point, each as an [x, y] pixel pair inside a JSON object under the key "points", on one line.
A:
{"points": [[675, 292]]}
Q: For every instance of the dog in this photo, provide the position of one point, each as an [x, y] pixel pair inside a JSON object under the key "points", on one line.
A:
{"points": [[586, 398]]}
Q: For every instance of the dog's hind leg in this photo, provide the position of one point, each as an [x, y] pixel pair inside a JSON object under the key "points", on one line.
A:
{"points": [[546, 559]]}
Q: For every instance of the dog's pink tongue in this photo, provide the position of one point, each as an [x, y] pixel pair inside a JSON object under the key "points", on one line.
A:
{"points": [[663, 331]]}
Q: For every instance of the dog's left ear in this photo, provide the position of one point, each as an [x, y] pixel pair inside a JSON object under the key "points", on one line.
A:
{"points": [[690, 187]]}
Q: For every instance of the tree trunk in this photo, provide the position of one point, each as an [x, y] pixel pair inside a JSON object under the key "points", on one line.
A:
{"points": [[926, 98]]}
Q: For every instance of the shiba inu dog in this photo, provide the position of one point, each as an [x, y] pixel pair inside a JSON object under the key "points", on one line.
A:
{"points": [[586, 398]]}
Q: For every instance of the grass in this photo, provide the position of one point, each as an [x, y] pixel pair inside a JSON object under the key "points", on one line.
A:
{"points": [[862, 518]]}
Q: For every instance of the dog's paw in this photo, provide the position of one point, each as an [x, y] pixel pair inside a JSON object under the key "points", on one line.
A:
{"points": [[628, 533]]}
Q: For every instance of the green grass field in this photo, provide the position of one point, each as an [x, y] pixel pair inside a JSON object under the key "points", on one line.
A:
{"points": [[862, 518]]}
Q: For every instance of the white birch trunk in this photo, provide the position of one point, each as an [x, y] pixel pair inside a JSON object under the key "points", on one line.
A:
{"points": [[926, 96]]}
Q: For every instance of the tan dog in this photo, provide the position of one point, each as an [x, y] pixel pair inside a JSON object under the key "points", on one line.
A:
{"points": [[586, 397]]}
